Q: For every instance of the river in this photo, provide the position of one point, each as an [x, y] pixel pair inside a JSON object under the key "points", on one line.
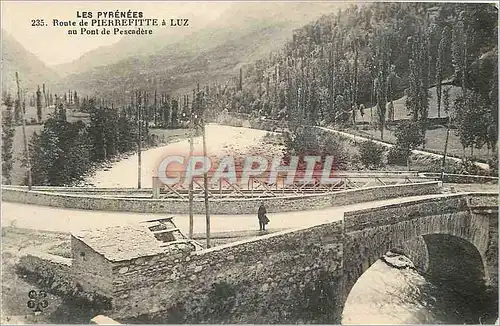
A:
{"points": [[387, 295]]}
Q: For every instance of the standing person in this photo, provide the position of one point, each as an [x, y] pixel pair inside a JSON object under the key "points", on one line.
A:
{"points": [[261, 214]]}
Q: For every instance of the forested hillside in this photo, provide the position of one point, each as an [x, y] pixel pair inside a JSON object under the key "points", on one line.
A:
{"points": [[173, 63], [338, 66]]}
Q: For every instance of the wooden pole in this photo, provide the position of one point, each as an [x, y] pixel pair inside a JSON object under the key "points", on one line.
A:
{"points": [[445, 147], [155, 109], [191, 149], [139, 140], [205, 185], [25, 138], [205, 175]]}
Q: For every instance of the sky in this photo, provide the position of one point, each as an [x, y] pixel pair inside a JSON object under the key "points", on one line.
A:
{"points": [[54, 46]]}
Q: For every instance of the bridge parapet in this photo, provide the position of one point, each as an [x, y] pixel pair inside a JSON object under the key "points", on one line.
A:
{"points": [[219, 205]]}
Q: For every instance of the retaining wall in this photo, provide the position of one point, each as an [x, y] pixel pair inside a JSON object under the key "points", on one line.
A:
{"points": [[54, 270], [270, 279], [58, 275], [219, 206]]}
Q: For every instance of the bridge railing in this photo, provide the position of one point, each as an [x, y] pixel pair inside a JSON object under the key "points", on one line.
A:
{"points": [[260, 187]]}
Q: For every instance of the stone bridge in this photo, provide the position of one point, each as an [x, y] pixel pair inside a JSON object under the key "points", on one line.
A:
{"points": [[301, 275]]}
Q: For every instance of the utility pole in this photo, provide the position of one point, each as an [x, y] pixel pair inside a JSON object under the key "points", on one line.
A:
{"points": [[139, 140], [25, 138], [445, 147], [205, 176], [156, 125], [191, 149]]}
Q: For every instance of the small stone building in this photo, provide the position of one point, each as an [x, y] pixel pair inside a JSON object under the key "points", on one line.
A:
{"points": [[101, 256]]}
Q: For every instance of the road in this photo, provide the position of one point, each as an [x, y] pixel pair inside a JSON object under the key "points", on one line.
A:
{"points": [[483, 166], [67, 220]]}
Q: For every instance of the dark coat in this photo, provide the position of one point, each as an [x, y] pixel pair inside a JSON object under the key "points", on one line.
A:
{"points": [[262, 212]]}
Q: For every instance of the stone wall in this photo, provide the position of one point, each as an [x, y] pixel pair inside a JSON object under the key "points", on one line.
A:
{"points": [[116, 192], [219, 206], [302, 275], [372, 232], [491, 254], [288, 277], [90, 270], [55, 271], [59, 275], [416, 250]]}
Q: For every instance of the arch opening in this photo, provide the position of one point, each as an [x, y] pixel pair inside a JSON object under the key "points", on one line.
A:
{"points": [[450, 289], [457, 272]]}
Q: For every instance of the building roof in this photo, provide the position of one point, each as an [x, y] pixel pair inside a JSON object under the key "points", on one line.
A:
{"points": [[122, 242]]}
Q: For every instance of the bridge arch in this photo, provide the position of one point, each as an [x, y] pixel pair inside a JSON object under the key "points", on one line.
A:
{"points": [[419, 228], [445, 259]]}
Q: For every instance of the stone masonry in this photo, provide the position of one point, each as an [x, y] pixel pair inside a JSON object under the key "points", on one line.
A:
{"points": [[294, 276]]}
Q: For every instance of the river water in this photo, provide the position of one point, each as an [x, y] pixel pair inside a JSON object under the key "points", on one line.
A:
{"points": [[387, 295]]}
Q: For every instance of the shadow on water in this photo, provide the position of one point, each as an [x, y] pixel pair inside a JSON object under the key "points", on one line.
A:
{"points": [[456, 276], [451, 291]]}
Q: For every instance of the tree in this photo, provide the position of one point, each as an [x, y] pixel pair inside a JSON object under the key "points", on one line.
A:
{"points": [[381, 66], [8, 131], [444, 44], [61, 112], [60, 154], [39, 105], [417, 93], [76, 101], [409, 135], [175, 114], [371, 154], [472, 118], [17, 111]]}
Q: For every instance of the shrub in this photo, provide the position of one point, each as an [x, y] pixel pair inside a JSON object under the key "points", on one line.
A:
{"points": [[398, 156], [371, 154], [493, 163], [409, 134], [310, 141], [468, 166]]}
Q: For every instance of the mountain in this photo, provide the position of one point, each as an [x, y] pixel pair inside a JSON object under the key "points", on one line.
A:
{"points": [[133, 46], [32, 71], [242, 33]]}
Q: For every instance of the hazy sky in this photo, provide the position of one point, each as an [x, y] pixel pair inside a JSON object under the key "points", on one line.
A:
{"points": [[54, 46]]}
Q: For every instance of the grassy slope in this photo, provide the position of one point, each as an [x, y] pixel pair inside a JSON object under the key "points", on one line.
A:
{"points": [[400, 111], [435, 141], [435, 138]]}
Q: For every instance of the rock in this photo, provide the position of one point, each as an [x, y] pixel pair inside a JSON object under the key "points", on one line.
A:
{"points": [[265, 287], [198, 269], [123, 270], [398, 261]]}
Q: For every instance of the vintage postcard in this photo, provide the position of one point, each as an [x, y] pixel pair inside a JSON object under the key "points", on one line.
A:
{"points": [[249, 162]]}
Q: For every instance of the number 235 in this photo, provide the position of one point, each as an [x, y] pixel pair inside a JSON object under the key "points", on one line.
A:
{"points": [[37, 22]]}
